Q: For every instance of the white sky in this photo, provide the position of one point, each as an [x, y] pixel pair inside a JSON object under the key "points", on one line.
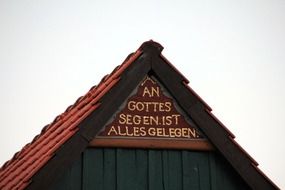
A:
{"points": [[52, 52]]}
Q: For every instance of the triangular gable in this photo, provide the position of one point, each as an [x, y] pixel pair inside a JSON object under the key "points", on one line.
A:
{"points": [[44, 160], [151, 118]]}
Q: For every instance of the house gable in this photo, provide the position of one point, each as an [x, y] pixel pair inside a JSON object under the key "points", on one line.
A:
{"points": [[43, 161]]}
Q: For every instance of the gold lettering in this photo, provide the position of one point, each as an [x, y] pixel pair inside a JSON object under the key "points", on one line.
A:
{"points": [[155, 106], [176, 118], [177, 132], [120, 132], [146, 120], [136, 131], [153, 120], [185, 132], [132, 105], [159, 132], [127, 131], [122, 118], [152, 92], [192, 132], [139, 106], [112, 130], [146, 91], [155, 91], [172, 132], [168, 106], [128, 119], [147, 106], [164, 132], [161, 108], [143, 132], [136, 119], [151, 131], [168, 120]]}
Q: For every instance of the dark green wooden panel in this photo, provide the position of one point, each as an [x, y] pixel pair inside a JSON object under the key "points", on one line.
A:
{"points": [[155, 172], [142, 169], [138, 169], [174, 170], [190, 171], [92, 174], [126, 169], [109, 167], [166, 171], [203, 170], [213, 172]]}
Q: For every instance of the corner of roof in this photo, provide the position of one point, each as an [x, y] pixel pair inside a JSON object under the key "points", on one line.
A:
{"points": [[151, 46]]}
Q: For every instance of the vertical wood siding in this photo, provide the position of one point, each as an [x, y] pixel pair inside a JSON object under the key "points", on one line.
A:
{"points": [[137, 169]]}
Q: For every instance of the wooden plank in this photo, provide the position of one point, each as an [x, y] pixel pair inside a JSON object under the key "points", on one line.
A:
{"points": [[92, 169], [175, 170], [110, 170], [166, 172], [126, 169], [202, 145], [75, 181], [213, 171], [141, 169], [155, 170], [188, 181], [203, 168]]}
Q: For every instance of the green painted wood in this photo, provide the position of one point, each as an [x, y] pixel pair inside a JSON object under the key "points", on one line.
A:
{"points": [[138, 169], [193, 160], [75, 179], [141, 169], [92, 169], [166, 170], [213, 172], [109, 167], [175, 170], [190, 171], [203, 168], [155, 172], [126, 169]]}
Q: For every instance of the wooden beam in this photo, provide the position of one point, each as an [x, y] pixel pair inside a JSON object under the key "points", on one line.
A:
{"points": [[201, 145]]}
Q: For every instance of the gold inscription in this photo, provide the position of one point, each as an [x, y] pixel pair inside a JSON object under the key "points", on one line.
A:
{"points": [[153, 91], [149, 106], [151, 118], [128, 119], [152, 131]]}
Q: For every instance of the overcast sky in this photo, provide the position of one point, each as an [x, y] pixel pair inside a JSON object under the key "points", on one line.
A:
{"points": [[52, 52]]}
